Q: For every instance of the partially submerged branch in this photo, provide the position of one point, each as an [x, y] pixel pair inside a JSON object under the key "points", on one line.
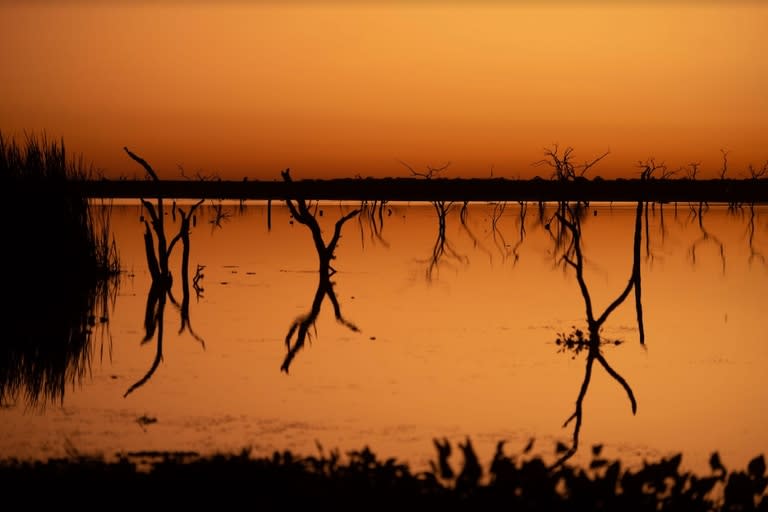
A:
{"points": [[158, 252], [325, 251], [570, 220]]}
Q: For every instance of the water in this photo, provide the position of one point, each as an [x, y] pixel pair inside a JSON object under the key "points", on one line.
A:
{"points": [[456, 336]]}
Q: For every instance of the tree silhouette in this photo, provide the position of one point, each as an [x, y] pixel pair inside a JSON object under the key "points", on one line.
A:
{"points": [[299, 329]]}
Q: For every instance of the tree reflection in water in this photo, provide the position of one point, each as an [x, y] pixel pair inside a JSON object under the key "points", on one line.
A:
{"points": [[325, 252], [476, 243], [442, 250], [754, 254], [158, 252], [372, 215], [697, 213], [568, 239]]}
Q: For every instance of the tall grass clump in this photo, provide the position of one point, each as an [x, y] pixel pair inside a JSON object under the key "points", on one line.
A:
{"points": [[61, 268]]}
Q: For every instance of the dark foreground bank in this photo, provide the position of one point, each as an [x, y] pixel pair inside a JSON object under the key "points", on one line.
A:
{"points": [[360, 480]]}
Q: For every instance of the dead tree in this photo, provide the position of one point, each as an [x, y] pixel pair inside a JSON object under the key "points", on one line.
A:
{"points": [[158, 252], [325, 251], [575, 260], [430, 173], [563, 168]]}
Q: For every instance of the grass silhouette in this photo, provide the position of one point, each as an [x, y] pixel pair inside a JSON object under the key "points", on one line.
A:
{"points": [[361, 480], [62, 270]]}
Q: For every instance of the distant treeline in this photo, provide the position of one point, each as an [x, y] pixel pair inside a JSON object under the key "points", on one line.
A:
{"points": [[732, 191]]}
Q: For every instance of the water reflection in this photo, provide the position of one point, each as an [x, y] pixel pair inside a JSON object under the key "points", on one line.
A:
{"points": [[466, 226], [443, 252], [568, 243], [325, 253], [471, 354], [372, 217], [697, 212], [60, 274], [754, 253], [52, 329], [158, 253]]}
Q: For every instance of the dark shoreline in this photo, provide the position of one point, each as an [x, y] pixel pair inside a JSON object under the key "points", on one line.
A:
{"points": [[731, 191], [360, 480]]}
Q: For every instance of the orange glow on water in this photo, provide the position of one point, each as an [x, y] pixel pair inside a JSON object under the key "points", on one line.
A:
{"points": [[470, 352], [338, 89]]}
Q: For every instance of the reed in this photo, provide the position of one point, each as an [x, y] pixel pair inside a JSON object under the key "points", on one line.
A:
{"points": [[47, 212], [62, 269]]}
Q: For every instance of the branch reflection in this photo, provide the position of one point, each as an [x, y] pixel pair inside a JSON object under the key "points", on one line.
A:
{"points": [[706, 236], [754, 254], [158, 252], [51, 324], [442, 250], [476, 243], [372, 215], [751, 218], [568, 219], [298, 332]]}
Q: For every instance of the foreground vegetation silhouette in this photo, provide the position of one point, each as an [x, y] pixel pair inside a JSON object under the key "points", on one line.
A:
{"points": [[362, 480], [62, 272]]}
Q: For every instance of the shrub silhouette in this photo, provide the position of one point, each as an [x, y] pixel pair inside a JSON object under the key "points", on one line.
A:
{"points": [[363, 480]]}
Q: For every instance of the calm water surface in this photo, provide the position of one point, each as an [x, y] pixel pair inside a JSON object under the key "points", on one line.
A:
{"points": [[447, 334]]}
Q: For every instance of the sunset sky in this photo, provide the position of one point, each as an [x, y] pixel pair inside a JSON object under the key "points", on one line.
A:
{"points": [[337, 89]]}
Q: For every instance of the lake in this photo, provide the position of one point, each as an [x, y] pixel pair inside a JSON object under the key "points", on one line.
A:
{"points": [[455, 320]]}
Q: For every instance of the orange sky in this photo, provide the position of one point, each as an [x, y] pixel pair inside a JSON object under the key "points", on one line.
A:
{"points": [[335, 89]]}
